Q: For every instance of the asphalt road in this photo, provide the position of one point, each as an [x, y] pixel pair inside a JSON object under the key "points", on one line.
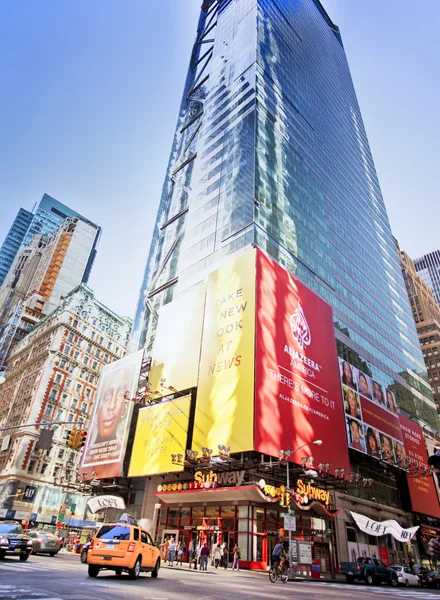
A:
{"points": [[64, 578]]}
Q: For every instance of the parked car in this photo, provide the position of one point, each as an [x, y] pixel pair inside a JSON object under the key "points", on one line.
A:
{"points": [[405, 576], [84, 551], [369, 570], [13, 540], [429, 578], [122, 547], [44, 542]]}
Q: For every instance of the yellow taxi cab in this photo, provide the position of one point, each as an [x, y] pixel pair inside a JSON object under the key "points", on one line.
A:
{"points": [[122, 547]]}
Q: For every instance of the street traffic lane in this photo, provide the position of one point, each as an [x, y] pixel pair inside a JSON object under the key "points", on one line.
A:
{"points": [[65, 578]]}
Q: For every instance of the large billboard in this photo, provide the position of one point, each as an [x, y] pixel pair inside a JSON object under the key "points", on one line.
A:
{"points": [[104, 452], [225, 396], [298, 396], [371, 416], [422, 490], [161, 431], [176, 351]]}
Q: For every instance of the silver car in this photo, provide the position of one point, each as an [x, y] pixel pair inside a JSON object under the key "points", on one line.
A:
{"points": [[44, 542]]}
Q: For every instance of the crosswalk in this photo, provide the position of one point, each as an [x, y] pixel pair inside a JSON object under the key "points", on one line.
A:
{"points": [[408, 593], [13, 592]]}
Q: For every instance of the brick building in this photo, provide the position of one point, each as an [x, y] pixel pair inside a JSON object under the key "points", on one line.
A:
{"points": [[53, 376]]}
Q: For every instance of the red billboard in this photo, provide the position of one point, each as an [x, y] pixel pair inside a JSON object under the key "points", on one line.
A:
{"points": [[422, 490], [298, 394]]}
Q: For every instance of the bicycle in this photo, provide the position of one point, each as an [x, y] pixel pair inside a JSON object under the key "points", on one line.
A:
{"points": [[278, 572]]}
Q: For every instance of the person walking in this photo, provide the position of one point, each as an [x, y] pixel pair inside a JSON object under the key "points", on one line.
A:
{"points": [[179, 553], [237, 556], [225, 552], [204, 554], [172, 552], [217, 556], [164, 549]]}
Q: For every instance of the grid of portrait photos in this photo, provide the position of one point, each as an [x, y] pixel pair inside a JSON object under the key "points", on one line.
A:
{"points": [[371, 416]]}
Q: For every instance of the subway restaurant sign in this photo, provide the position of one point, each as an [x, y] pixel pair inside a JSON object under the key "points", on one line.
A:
{"points": [[304, 494], [205, 481]]}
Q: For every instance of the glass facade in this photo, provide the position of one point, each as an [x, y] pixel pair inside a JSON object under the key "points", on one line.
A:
{"points": [[428, 268], [48, 216], [270, 149], [13, 241]]}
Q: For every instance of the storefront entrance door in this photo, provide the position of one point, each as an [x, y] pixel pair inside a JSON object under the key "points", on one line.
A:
{"points": [[168, 533]]}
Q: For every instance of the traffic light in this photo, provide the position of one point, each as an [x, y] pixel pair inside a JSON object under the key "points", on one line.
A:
{"points": [[71, 438], [82, 439]]}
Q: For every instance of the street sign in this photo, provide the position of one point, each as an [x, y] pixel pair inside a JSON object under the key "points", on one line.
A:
{"points": [[44, 442], [61, 518], [289, 522]]}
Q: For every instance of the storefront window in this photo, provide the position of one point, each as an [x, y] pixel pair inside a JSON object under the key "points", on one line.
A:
{"points": [[163, 517], [173, 518], [184, 517]]}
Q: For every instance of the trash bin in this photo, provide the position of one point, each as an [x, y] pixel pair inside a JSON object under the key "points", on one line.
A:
{"points": [[316, 569]]}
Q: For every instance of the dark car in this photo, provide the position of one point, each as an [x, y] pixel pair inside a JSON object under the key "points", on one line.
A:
{"points": [[429, 578], [13, 540], [369, 570], [44, 542]]}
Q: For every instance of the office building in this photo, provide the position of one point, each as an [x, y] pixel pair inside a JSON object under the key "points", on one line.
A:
{"points": [[271, 179], [426, 313], [13, 241], [428, 268], [46, 217], [43, 272], [53, 376]]}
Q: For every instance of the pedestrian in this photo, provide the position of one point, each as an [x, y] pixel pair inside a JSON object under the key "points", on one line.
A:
{"points": [[204, 554], [179, 552], [416, 568], [171, 552], [237, 556], [217, 556], [164, 549], [225, 555]]}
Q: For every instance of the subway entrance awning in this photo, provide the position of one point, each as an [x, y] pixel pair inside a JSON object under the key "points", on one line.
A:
{"points": [[249, 493]]}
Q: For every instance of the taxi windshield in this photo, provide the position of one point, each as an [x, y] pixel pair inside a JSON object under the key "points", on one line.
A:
{"points": [[114, 532]]}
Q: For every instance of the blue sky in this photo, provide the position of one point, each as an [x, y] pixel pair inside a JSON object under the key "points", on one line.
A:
{"points": [[90, 96]]}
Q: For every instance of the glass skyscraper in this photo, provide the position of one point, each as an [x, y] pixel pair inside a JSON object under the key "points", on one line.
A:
{"points": [[428, 268], [270, 150], [47, 217], [13, 241]]}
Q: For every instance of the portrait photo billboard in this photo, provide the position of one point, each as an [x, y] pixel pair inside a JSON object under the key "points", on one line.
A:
{"points": [[298, 395], [104, 452], [371, 416]]}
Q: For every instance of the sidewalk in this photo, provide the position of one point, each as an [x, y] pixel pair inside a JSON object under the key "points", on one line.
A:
{"points": [[220, 571]]}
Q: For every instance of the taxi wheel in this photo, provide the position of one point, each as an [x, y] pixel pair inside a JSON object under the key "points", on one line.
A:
{"points": [[135, 571], [155, 571], [93, 570]]}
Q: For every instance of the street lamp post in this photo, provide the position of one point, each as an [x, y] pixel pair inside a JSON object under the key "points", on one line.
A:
{"points": [[288, 454]]}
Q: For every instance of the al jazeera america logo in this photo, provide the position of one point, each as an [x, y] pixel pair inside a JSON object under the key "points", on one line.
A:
{"points": [[303, 337], [300, 328]]}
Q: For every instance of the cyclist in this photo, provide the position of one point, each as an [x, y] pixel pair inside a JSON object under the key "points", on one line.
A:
{"points": [[278, 555]]}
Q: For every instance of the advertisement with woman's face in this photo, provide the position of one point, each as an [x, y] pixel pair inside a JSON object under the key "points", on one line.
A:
{"points": [[106, 443]]}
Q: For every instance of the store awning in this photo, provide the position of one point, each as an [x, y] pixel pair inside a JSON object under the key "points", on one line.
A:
{"points": [[218, 494], [248, 493]]}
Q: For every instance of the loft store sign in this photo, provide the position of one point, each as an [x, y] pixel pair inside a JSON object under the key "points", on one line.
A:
{"points": [[103, 502], [389, 527], [205, 481]]}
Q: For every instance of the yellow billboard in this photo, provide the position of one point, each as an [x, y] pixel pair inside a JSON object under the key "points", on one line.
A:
{"points": [[161, 431], [225, 396], [176, 351]]}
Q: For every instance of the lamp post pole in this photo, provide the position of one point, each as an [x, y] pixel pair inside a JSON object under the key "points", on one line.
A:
{"points": [[288, 454], [289, 513]]}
